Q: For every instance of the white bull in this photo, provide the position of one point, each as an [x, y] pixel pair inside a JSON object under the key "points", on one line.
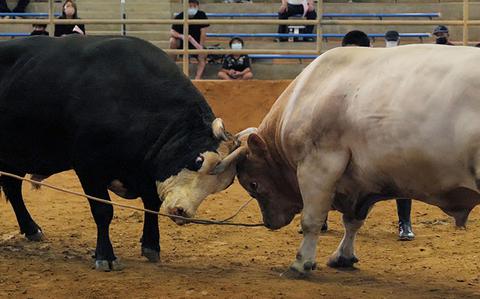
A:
{"points": [[360, 125]]}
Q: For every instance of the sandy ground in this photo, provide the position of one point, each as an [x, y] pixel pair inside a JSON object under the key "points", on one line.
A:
{"points": [[231, 262]]}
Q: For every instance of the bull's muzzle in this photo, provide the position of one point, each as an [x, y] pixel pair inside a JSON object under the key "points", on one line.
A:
{"points": [[177, 211]]}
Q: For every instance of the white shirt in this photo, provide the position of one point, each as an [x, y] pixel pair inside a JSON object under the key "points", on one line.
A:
{"points": [[296, 2]]}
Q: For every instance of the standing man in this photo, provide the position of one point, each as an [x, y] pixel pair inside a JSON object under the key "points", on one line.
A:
{"points": [[20, 8], [442, 35], [290, 8], [197, 35], [404, 205], [357, 38]]}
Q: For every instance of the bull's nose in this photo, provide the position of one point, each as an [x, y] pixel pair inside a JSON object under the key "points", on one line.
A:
{"points": [[177, 211]]}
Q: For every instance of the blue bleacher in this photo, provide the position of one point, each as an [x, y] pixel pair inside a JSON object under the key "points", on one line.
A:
{"points": [[325, 35], [27, 14], [330, 15]]}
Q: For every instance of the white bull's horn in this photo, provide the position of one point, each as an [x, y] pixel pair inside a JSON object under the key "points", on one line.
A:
{"points": [[229, 160], [246, 132], [219, 129]]}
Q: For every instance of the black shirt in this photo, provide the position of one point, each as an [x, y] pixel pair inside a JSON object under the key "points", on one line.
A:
{"points": [[240, 64], [39, 32], [193, 30], [65, 29]]}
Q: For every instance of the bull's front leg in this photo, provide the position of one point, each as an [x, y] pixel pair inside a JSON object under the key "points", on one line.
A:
{"points": [[151, 234], [344, 256], [317, 177]]}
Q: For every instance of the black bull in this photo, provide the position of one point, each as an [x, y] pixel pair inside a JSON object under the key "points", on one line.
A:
{"points": [[112, 109]]}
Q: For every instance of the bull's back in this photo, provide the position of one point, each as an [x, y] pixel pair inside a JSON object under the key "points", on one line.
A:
{"points": [[369, 92], [56, 93]]}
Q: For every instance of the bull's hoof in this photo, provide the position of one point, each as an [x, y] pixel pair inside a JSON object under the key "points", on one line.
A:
{"points": [[152, 255], [107, 266], [299, 271], [36, 237], [342, 262]]}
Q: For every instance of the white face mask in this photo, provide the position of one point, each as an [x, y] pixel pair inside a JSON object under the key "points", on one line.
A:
{"points": [[192, 11], [236, 46], [391, 44]]}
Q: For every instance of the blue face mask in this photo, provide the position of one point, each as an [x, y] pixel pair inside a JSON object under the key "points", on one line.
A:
{"points": [[192, 12]]}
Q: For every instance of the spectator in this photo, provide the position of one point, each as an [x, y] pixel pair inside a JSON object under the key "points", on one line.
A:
{"points": [[39, 29], [356, 38], [442, 35], [236, 67], [392, 39], [69, 11], [197, 35], [20, 8], [290, 8]]}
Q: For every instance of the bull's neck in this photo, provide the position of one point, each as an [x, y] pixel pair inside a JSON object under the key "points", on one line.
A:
{"points": [[269, 130]]}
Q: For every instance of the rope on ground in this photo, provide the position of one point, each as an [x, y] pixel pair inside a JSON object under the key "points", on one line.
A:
{"points": [[108, 202]]}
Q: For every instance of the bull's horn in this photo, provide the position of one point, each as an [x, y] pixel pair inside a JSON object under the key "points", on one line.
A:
{"points": [[229, 160], [246, 132], [219, 129]]}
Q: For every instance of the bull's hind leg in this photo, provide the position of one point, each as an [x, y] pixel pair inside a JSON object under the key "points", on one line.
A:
{"points": [[344, 256], [317, 176], [13, 191], [105, 259]]}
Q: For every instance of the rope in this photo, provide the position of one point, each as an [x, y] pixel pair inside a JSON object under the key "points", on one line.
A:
{"points": [[190, 220]]}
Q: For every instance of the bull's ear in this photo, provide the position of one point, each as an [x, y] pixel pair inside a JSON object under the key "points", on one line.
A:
{"points": [[256, 144]]}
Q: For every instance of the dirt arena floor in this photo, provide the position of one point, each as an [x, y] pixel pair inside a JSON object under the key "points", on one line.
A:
{"points": [[230, 262]]}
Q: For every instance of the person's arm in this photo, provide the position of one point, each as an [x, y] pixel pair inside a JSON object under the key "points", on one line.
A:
{"points": [[203, 36], [175, 34], [311, 5], [245, 71], [283, 7]]}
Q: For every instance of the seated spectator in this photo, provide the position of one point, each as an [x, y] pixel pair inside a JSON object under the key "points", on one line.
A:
{"points": [[290, 8], [20, 8], [442, 35], [356, 38], [236, 67], [392, 39], [197, 35], [69, 11], [39, 29]]}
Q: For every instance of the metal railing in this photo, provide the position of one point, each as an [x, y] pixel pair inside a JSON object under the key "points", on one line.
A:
{"points": [[319, 22]]}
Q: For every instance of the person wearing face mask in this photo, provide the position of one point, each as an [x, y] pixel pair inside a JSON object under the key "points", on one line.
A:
{"points": [[392, 39], [20, 8], [442, 35], [197, 35], [69, 11], [236, 67]]}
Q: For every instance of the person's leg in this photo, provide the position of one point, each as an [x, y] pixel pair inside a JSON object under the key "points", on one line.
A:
{"points": [[21, 6], [247, 76], [3, 6], [202, 62], [404, 207], [311, 15], [223, 76], [174, 44], [282, 29]]}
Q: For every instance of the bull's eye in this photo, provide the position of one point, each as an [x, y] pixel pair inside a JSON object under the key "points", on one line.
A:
{"points": [[253, 186], [197, 164]]}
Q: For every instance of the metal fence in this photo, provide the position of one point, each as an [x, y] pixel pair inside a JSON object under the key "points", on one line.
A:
{"points": [[319, 22]]}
